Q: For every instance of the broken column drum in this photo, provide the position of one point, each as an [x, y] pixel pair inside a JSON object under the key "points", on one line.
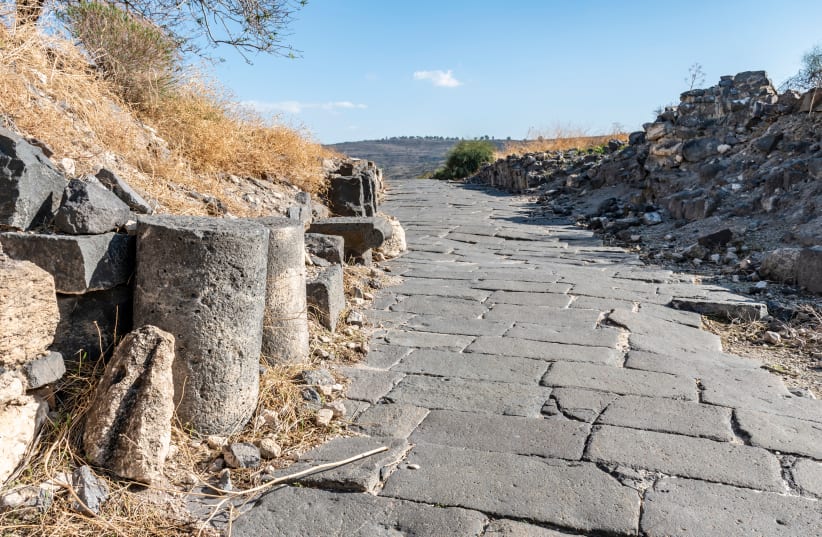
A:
{"points": [[285, 325], [203, 280]]}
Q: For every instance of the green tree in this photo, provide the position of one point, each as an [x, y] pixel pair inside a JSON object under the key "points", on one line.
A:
{"points": [[465, 159]]}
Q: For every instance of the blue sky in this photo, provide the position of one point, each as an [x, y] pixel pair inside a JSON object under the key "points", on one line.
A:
{"points": [[371, 69]]}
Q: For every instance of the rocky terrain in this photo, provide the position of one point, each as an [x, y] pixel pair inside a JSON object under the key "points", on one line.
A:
{"points": [[717, 183]]}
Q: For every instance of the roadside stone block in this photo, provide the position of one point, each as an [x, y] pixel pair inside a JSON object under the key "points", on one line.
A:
{"points": [[30, 185], [470, 395], [326, 296], [620, 381], [684, 507], [577, 496], [685, 456], [124, 191], [670, 416], [88, 208], [78, 263], [28, 311], [361, 234], [551, 438], [89, 322], [781, 433], [326, 247], [292, 511]]}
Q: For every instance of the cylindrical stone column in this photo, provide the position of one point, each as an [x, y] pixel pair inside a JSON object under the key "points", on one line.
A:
{"points": [[285, 325], [203, 280]]}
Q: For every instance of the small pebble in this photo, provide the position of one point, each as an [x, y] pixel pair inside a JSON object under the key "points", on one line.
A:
{"points": [[324, 417], [772, 337], [216, 442], [413, 466], [337, 408]]}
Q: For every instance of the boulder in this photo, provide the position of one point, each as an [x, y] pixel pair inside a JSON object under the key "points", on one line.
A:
{"points": [[326, 247], [809, 269], [352, 196], [780, 265], [285, 328], [87, 208], [699, 149], [395, 245], [326, 296], [361, 234], [128, 425], [767, 143], [123, 190], [717, 239], [636, 138], [20, 421], [28, 311], [79, 263], [204, 280], [30, 186]]}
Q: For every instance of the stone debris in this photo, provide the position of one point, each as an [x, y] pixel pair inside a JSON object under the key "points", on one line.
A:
{"points": [[87, 208], [46, 370], [124, 191], [325, 248], [269, 448], [128, 426], [241, 455], [90, 489], [361, 234], [324, 417], [326, 296]]}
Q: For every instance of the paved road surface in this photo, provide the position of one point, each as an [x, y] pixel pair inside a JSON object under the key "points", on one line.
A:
{"points": [[530, 382]]}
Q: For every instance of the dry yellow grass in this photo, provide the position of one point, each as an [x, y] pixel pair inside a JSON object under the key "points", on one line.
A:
{"points": [[191, 140], [560, 138]]}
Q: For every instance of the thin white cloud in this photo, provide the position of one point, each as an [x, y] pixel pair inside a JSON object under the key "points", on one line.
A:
{"points": [[297, 107], [442, 79]]}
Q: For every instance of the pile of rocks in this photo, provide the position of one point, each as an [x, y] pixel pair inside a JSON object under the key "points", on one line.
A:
{"points": [[736, 156], [85, 261]]}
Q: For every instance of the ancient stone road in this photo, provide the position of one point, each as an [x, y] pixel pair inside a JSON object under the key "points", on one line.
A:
{"points": [[529, 382]]}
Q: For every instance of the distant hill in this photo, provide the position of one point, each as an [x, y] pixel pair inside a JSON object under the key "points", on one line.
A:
{"points": [[403, 157]]}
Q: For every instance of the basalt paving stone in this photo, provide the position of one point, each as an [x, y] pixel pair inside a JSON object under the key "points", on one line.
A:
{"points": [[528, 287], [781, 433], [441, 291], [580, 404], [429, 340], [473, 239], [620, 381], [361, 476], [539, 314], [598, 304], [384, 300], [686, 456], [760, 391], [451, 307], [385, 356], [544, 350], [448, 325], [550, 300], [523, 274], [445, 393], [577, 496], [586, 337], [695, 365], [551, 438], [389, 420], [687, 318], [675, 340], [808, 477], [442, 274], [669, 416], [473, 366], [688, 508], [387, 319], [369, 384], [512, 528], [301, 512]]}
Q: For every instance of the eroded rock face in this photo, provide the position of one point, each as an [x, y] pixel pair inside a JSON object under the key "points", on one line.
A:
{"points": [[30, 186], [128, 427], [28, 311]]}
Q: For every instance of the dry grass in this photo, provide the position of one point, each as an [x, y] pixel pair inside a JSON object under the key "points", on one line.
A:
{"points": [[191, 140], [560, 138], [797, 358]]}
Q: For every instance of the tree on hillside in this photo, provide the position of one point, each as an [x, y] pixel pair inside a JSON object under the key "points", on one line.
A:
{"points": [[809, 76], [696, 76], [465, 159], [250, 26]]}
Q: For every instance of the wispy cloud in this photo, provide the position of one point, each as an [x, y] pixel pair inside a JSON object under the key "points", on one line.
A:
{"points": [[442, 79], [297, 107]]}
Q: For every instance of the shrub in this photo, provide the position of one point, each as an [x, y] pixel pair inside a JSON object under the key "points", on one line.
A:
{"points": [[465, 159], [136, 55]]}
